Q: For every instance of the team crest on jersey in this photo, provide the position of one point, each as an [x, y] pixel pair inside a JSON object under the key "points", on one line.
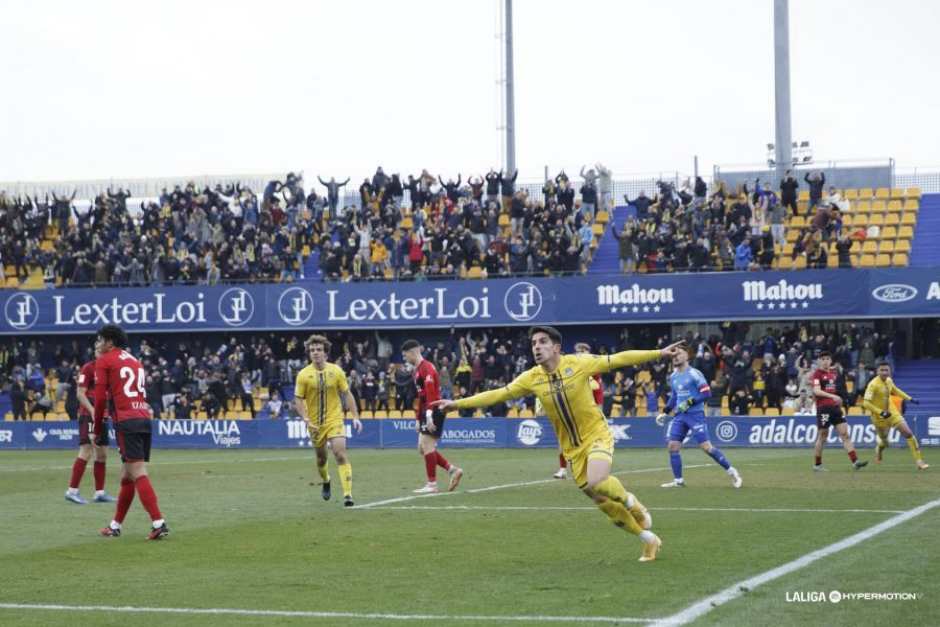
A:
{"points": [[568, 372]]}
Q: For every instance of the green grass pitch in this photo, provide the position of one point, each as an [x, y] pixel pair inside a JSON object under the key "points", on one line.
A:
{"points": [[249, 531]]}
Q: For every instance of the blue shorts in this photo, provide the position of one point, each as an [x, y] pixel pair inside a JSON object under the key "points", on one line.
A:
{"points": [[684, 423]]}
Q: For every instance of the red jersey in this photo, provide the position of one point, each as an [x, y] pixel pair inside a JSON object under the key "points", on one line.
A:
{"points": [[86, 382], [428, 384], [598, 391], [826, 380], [119, 375]]}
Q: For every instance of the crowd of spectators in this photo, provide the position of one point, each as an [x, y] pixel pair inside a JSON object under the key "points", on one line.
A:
{"points": [[753, 370], [697, 230]]}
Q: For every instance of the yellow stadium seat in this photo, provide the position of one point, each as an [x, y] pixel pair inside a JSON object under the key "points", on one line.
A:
{"points": [[526, 413], [909, 219], [883, 261], [407, 223], [603, 217], [883, 192], [504, 219], [899, 259], [903, 246], [911, 204], [856, 247], [381, 413], [785, 263], [597, 229], [305, 251], [897, 192], [876, 219], [771, 411], [886, 246], [755, 411], [894, 206], [851, 194], [474, 272], [803, 195], [912, 192], [799, 263], [787, 411], [832, 261], [889, 232], [797, 222], [879, 205], [863, 205], [847, 219], [892, 219], [788, 250], [906, 232], [870, 247], [867, 261], [394, 414], [792, 235], [860, 219], [865, 192]]}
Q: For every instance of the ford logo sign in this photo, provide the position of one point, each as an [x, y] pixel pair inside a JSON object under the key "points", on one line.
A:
{"points": [[894, 293]]}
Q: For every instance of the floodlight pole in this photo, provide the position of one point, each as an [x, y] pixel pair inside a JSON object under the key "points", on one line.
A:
{"points": [[510, 165], [784, 154]]}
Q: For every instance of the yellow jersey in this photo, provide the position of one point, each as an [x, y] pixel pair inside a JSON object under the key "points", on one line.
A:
{"points": [[878, 396], [322, 391], [565, 394]]}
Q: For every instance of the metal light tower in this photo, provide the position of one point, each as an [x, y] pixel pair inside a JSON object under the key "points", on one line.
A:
{"points": [[510, 165], [784, 155]]}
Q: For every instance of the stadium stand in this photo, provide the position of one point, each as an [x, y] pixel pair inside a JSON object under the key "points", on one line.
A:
{"points": [[924, 249]]}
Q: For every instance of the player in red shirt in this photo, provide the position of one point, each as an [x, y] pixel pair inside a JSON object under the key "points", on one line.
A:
{"points": [[430, 422], [120, 375], [829, 411], [597, 385], [85, 385]]}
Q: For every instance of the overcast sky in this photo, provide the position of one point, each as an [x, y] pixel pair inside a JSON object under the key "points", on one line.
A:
{"points": [[132, 89]]}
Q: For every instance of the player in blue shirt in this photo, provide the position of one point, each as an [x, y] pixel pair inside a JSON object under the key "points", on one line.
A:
{"points": [[687, 401]]}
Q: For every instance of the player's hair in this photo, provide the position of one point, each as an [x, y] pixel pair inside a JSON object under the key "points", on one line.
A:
{"points": [[882, 363], [582, 345], [409, 344], [114, 334], [825, 354], [318, 339], [553, 334]]}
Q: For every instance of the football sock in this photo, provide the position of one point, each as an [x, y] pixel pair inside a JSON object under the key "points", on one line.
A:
{"points": [[915, 450], [430, 466], [99, 476], [148, 497], [853, 456], [620, 516], [719, 457], [562, 462], [324, 471], [78, 469], [345, 478], [442, 461], [125, 498], [819, 460], [612, 489], [675, 460]]}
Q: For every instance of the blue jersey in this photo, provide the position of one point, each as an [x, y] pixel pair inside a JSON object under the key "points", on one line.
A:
{"points": [[686, 385]]}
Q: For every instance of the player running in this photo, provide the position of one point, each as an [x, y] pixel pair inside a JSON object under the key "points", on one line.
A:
{"points": [[581, 348], [321, 393], [886, 417], [120, 376], [829, 412], [561, 383], [430, 422], [85, 386], [686, 403]]}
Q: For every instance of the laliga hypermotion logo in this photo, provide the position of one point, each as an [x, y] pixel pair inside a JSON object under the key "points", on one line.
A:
{"points": [[727, 431], [295, 306], [21, 311], [236, 306], [523, 301]]}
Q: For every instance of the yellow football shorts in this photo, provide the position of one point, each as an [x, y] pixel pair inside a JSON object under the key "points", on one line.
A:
{"points": [[599, 447], [327, 431], [892, 421]]}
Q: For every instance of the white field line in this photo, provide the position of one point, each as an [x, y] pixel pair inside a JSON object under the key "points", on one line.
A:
{"points": [[328, 615], [739, 589], [170, 463], [504, 486], [510, 508]]}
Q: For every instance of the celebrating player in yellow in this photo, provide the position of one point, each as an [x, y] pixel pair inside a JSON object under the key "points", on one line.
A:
{"points": [[885, 416], [562, 384], [320, 396]]}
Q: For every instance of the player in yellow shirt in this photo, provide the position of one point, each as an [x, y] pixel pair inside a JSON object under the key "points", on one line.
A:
{"points": [[321, 393], [885, 416], [562, 384]]}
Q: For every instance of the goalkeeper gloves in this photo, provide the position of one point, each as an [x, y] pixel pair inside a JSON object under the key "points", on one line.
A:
{"points": [[886, 414], [661, 419], [684, 405]]}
